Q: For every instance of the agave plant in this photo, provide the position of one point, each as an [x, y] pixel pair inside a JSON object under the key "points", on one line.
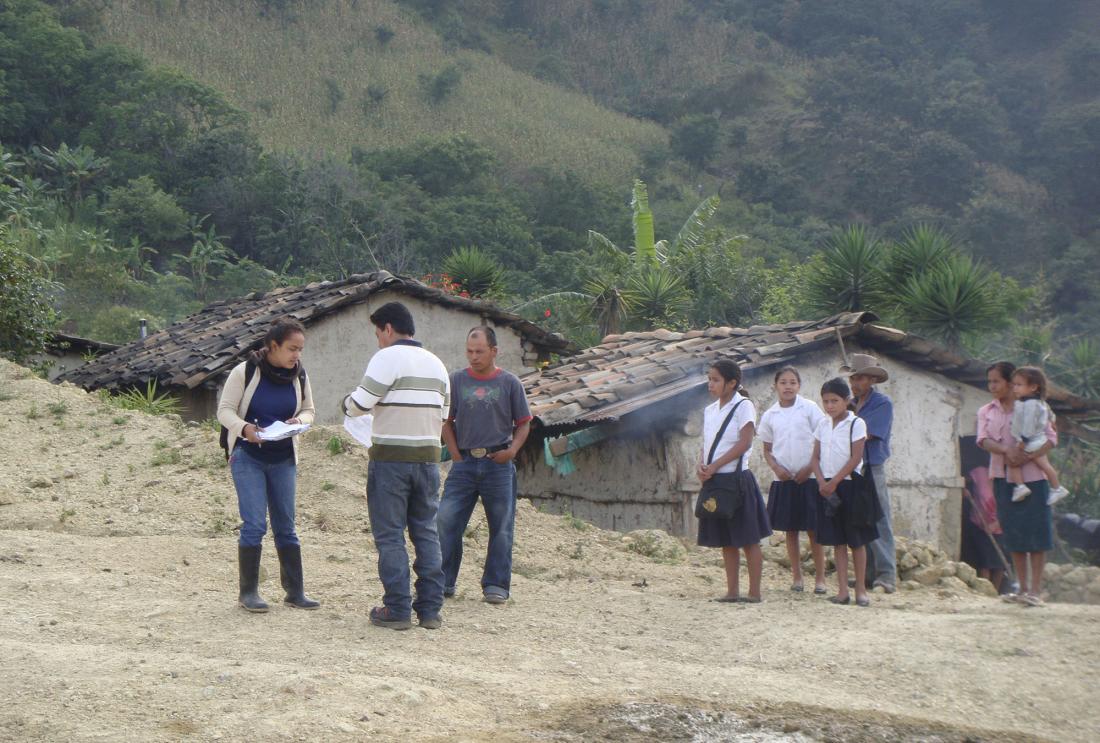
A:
{"points": [[1082, 368], [851, 277], [657, 296], [951, 301], [477, 272], [922, 248]]}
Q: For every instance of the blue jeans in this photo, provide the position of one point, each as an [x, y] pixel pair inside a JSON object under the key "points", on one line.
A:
{"points": [[400, 495], [882, 549], [262, 487], [496, 484]]}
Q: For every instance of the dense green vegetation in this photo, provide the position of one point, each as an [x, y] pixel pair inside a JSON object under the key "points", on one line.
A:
{"points": [[935, 162]]}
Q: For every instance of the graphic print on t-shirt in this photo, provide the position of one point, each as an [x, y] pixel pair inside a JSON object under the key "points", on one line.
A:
{"points": [[482, 394]]}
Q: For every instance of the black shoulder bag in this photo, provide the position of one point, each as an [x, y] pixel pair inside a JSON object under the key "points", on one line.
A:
{"points": [[721, 496], [863, 510]]}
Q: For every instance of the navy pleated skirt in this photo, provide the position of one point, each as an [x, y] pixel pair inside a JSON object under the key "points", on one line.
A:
{"points": [[748, 527], [793, 507], [832, 530], [1028, 525]]}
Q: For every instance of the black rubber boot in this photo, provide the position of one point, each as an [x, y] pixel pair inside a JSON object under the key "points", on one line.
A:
{"points": [[290, 562], [248, 565]]}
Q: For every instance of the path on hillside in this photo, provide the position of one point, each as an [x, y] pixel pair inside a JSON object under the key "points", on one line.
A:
{"points": [[119, 623]]}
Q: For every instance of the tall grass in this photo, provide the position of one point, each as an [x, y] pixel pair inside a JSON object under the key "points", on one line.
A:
{"points": [[276, 67]]}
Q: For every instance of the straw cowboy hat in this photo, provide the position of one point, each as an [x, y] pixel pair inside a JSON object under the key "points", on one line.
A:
{"points": [[862, 363]]}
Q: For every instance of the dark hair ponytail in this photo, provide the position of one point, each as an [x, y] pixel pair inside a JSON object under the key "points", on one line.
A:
{"points": [[731, 372]]}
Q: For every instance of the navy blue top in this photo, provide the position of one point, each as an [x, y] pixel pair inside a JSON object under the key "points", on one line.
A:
{"points": [[271, 402], [878, 414]]}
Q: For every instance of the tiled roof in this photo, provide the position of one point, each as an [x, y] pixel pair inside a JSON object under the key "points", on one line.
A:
{"points": [[210, 342], [632, 371]]}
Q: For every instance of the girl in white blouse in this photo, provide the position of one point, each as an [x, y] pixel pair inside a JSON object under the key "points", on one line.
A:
{"points": [[750, 524], [787, 430], [838, 452]]}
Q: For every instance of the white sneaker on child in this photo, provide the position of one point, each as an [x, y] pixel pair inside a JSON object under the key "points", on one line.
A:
{"points": [[1020, 492], [1056, 495]]}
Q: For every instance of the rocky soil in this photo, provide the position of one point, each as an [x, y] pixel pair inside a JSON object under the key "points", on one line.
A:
{"points": [[118, 578]]}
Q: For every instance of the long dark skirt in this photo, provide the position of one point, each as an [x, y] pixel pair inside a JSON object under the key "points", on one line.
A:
{"points": [[1028, 525], [793, 507], [832, 530], [748, 527]]}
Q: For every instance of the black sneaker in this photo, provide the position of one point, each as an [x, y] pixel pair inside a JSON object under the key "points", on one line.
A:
{"points": [[432, 622]]}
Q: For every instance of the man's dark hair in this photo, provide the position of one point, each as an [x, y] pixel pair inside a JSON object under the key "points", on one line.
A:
{"points": [[396, 315], [1005, 368], [485, 332], [838, 387]]}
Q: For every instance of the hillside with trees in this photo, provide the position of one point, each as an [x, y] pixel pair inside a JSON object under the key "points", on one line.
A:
{"points": [[607, 164]]}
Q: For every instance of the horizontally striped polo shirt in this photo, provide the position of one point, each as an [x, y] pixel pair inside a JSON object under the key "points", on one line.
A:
{"points": [[408, 390]]}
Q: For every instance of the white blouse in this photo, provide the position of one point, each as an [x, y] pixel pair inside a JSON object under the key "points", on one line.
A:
{"points": [[835, 447], [790, 431], [713, 415]]}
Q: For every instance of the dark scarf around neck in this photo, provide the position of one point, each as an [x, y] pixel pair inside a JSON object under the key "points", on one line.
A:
{"points": [[274, 374]]}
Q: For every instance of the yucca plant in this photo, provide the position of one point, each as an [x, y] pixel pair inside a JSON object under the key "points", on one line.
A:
{"points": [[951, 301], [1082, 368], [657, 296], [477, 272], [610, 305], [147, 401], [922, 248], [851, 276]]}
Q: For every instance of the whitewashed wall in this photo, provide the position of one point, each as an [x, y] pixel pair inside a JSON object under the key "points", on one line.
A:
{"points": [[339, 347]]}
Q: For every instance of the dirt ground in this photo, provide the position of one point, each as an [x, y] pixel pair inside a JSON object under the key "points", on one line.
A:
{"points": [[119, 622]]}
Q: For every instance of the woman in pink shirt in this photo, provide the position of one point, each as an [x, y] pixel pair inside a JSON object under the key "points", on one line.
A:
{"points": [[1028, 527]]}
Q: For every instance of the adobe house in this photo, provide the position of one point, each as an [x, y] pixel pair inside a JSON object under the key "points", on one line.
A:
{"points": [[192, 357], [620, 423], [66, 352]]}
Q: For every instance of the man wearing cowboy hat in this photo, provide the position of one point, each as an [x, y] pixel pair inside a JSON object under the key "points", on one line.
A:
{"points": [[877, 411]]}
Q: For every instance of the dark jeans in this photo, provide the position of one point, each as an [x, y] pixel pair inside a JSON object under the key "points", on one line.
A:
{"points": [[496, 485], [262, 487], [404, 495]]}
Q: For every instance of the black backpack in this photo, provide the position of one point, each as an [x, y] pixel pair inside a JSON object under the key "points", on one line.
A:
{"points": [[249, 372]]}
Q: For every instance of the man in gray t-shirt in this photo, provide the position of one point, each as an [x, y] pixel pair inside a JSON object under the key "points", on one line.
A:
{"points": [[487, 426]]}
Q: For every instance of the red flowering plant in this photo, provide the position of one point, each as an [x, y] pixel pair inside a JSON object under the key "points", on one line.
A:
{"points": [[445, 283]]}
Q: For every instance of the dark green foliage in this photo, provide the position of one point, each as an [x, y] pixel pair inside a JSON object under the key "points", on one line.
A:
{"points": [[456, 164], [476, 273], [695, 139], [27, 317], [141, 210], [851, 277], [438, 87], [383, 34], [334, 94]]}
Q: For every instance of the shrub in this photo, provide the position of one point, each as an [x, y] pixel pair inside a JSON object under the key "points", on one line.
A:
{"points": [[439, 87], [146, 402], [27, 317]]}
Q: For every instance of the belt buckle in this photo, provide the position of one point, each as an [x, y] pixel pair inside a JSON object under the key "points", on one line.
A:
{"points": [[479, 452]]}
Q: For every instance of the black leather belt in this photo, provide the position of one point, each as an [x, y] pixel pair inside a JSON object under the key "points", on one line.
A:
{"points": [[482, 451]]}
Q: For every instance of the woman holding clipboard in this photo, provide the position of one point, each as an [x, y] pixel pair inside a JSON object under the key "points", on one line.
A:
{"points": [[270, 386]]}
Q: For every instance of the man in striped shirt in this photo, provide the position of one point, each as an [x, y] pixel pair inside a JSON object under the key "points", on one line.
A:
{"points": [[407, 388]]}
